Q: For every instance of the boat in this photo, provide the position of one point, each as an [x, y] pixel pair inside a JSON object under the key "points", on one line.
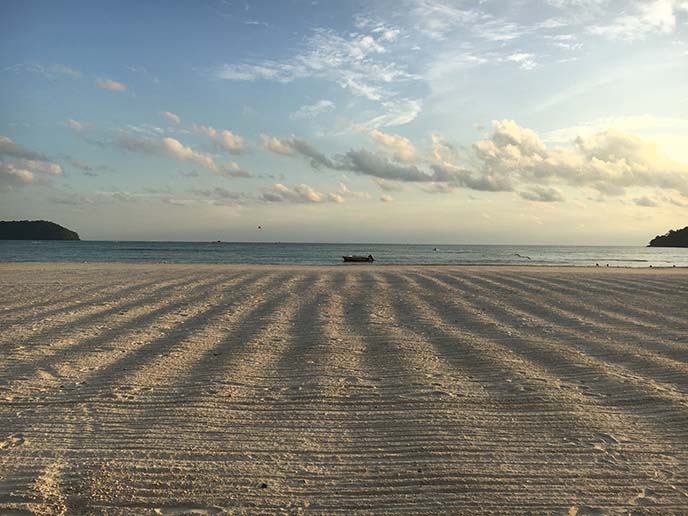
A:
{"points": [[351, 258]]}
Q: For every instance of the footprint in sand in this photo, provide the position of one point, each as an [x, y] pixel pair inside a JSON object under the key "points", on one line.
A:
{"points": [[189, 509], [12, 441], [644, 497]]}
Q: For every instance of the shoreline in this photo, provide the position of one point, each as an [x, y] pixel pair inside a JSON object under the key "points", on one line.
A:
{"points": [[366, 266]]}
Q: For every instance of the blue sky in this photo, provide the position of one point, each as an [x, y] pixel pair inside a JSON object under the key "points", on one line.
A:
{"points": [[552, 121]]}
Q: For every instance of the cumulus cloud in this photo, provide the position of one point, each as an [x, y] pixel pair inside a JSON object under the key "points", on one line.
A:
{"points": [[175, 149], [401, 147], [294, 146], [313, 110], [511, 158], [171, 117], [300, 194], [306, 194], [225, 140], [109, 84], [386, 198], [20, 166]]}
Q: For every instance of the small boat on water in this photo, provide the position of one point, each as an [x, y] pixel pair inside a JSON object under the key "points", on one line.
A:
{"points": [[351, 258]]}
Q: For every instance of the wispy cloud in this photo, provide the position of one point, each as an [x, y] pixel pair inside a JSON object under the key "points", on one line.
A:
{"points": [[171, 117], [109, 84], [313, 110], [354, 61]]}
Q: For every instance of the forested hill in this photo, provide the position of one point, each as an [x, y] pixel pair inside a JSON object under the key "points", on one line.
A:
{"points": [[674, 238], [35, 230]]}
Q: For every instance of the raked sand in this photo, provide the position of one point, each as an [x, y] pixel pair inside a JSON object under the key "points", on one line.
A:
{"points": [[195, 389]]}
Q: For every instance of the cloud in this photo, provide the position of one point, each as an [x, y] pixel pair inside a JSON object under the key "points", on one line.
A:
{"points": [[386, 198], [354, 61], [299, 194], [74, 124], [220, 193], [225, 140], [511, 157], [276, 145], [345, 192], [402, 147], [542, 194], [175, 149], [524, 60], [20, 166], [397, 112], [387, 186], [50, 72], [309, 111], [171, 117], [109, 84], [368, 163], [66, 70], [645, 202], [294, 146], [608, 161], [646, 17]]}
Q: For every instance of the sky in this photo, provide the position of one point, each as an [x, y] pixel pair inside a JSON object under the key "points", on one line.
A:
{"points": [[410, 121]]}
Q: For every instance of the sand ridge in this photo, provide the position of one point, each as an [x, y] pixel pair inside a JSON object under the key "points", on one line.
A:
{"points": [[227, 389]]}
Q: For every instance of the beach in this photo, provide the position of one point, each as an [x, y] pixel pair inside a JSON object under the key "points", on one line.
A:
{"points": [[364, 389]]}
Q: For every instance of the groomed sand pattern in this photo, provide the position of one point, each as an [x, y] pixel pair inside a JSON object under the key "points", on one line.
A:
{"points": [[198, 389]]}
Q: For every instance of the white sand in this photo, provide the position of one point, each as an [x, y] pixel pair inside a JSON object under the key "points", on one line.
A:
{"points": [[186, 389]]}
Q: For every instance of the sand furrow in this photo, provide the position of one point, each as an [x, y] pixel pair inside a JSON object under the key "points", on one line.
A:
{"points": [[651, 312], [632, 354], [220, 389]]}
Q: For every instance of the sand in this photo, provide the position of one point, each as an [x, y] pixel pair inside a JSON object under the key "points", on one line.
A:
{"points": [[187, 389]]}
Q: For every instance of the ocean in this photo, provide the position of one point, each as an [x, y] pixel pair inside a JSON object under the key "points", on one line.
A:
{"points": [[331, 254]]}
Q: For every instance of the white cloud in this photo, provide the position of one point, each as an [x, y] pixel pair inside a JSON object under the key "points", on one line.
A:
{"points": [[401, 147], [396, 112], [276, 145], [299, 194], [175, 149], [109, 84], [225, 140], [386, 198], [523, 59], [353, 61], [74, 124], [647, 17], [171, 117], [20, 166], [313, 110]]}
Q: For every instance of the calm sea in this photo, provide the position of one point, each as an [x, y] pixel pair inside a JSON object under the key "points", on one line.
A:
{"points": [[327, 254]]}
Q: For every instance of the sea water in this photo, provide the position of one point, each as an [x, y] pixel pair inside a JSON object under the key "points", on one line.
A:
{"points": [[331, 254]]}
